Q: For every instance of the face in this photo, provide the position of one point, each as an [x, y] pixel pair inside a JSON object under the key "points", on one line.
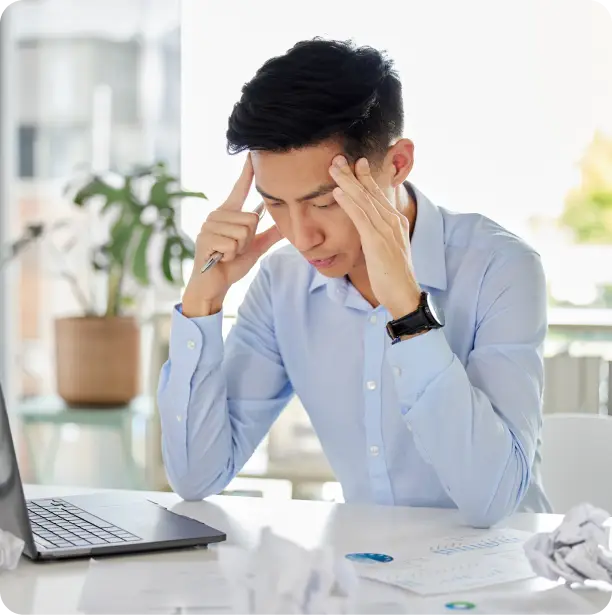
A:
{"points": [[297, 190]]}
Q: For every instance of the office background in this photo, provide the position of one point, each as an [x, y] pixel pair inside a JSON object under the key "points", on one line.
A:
{"points": [[509, 106]]}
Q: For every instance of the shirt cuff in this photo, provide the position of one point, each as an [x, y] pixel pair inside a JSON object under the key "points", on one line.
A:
{"points": [[196, 340], [417, 362]]}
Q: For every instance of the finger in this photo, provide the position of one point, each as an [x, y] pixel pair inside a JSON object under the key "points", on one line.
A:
{"points": [[364, 176], [218, 243], [356, 213], [229, 216], [242, 234], [239, 193], [379, 198], [342, 174], [262, 242]]}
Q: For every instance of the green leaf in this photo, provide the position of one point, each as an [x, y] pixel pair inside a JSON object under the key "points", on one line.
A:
{"points": [[130, 236], [121, 234], [96, 188], [139, 265], [167, 258], [178, 248], [140, 171], [186, 193], [159, 192]]}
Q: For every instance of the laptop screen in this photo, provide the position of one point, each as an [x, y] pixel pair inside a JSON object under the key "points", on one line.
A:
{"points": [[13, 511]]}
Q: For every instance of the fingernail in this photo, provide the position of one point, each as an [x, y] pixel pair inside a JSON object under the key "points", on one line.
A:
{"points": [[340, 161]]}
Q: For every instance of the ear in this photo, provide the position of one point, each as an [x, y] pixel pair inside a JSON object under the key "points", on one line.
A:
{"points": [[399, 161]]}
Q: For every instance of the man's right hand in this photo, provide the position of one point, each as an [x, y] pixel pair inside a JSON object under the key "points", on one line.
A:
{"points": [[231, 231]]}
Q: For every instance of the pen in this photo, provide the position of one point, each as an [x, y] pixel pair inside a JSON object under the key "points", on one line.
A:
{"points": [[217, 256]]}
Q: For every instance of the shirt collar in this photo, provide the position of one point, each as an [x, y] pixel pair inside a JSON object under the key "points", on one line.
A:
{"points": [[427, 244], [427, 248]]}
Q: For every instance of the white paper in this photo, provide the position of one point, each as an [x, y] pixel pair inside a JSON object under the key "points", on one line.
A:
{"points": [[577, 551], [385, 608], [280, 576], [11, 548], [154, 587], [557, 601], [455, 563], [478, 541]]}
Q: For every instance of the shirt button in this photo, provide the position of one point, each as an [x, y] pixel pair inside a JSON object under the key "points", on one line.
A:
{"points": [[371, 385], [373, 319], [374, 451], [404, 410], [397, 371], [178, 418], [191, 344]]}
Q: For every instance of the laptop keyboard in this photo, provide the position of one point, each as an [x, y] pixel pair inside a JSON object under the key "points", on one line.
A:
{"points": [[58, 524]]}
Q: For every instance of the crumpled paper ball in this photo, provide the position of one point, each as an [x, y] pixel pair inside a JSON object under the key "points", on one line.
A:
{"points": [[11, 548], [577, 551], [280, 576]]}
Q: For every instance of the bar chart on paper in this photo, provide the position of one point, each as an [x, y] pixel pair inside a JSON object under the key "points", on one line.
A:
{"points": [[467, 561], [497, 541]]}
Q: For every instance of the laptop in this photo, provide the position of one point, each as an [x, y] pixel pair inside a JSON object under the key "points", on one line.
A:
{"points": [[88, 525]]}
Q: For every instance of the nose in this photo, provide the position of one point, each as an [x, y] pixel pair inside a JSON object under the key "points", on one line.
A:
{"points": [[306, 235]]}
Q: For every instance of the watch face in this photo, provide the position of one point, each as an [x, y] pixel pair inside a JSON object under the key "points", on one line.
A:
{"points": [[436, 311]]}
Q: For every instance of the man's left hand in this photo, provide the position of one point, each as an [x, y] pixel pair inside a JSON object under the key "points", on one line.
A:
{"points": [[385, 236]]}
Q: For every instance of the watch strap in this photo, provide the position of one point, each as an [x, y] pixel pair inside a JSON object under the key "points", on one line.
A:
{"points": [[412, 323]]}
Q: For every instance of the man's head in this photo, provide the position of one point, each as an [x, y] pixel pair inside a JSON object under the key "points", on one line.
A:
{"points": [[320, 99]]}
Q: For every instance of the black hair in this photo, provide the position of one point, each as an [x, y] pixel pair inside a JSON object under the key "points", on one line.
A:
{"points": [[320, 90]]}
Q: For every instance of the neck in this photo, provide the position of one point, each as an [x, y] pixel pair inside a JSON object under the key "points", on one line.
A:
{"points": [[407, 206]]}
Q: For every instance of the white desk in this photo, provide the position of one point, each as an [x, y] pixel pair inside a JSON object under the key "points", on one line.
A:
{"points": [[55, 587]]}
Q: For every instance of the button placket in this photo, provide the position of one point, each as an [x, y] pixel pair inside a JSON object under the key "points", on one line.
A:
{"points": [[374, 363]]}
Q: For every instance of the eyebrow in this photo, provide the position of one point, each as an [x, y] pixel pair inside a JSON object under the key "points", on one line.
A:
{"points": [[320, 191]]}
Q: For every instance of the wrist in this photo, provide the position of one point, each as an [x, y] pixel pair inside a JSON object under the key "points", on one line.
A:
{"points": [[427, 315], [403, 338], [406, 305], [198, 309]]}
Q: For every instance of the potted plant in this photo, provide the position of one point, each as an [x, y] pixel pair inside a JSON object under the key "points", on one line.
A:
{"points": [[98, 352]]}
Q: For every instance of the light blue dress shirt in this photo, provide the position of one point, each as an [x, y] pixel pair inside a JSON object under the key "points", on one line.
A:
{"points": [[450, 418]]}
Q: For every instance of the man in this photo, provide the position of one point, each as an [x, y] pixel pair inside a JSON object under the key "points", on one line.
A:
{"points": [[422, 411]]}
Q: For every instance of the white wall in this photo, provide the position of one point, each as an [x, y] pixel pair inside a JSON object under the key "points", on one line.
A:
{"points": [[90, 18], [7, 174], [501, 98]]}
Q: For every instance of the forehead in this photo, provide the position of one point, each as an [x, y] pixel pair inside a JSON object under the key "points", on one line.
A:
{"points": [[292, 174]]}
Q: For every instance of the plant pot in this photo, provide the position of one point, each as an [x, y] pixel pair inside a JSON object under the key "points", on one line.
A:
{"points": [[97, 360]]}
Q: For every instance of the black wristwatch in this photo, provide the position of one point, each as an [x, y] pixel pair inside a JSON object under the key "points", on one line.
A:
{"points": [[426, 317]]}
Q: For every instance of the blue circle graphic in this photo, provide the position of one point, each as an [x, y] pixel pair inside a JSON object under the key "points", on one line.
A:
{"points": [[374, 557], [460, 606]]}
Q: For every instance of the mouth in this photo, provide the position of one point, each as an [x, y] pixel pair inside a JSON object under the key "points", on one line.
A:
{"points": [[323, 262]]}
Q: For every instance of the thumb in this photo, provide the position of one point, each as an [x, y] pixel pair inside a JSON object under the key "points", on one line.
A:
{"points": [[264, 241]]}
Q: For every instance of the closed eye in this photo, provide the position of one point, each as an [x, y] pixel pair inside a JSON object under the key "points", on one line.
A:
{"points": [[326, 206], [280, 204]]}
